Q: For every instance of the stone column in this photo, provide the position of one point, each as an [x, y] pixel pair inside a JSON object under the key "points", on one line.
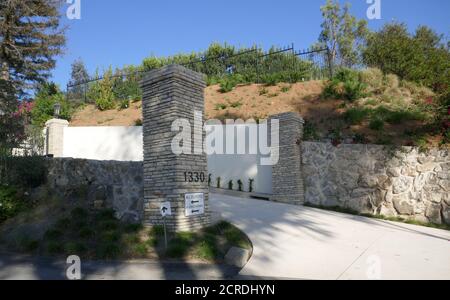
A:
{"points": [[287, 180], [54, 137], [173, 93]]}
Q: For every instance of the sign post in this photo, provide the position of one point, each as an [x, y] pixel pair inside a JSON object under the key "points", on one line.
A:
{"points": [[166, 210]]}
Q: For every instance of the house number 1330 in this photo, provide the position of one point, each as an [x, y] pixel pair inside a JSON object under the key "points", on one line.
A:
{"points": [[194, 177]]}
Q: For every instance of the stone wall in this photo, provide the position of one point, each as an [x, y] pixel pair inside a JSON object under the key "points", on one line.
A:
{"points": [[378, 180], [103, 184]]}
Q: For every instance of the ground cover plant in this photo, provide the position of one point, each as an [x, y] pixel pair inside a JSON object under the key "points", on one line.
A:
{"points": [[99, 235]]}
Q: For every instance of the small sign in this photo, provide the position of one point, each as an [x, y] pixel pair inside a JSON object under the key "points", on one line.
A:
{"points": [[194, 204], [165, 209]]}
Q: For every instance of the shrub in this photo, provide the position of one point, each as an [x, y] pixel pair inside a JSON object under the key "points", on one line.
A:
{"points": [[345, 85], [227, 85], [43, 109], [221, 106], [230, 185], [141, 249], [356, 116], [285, 88], [236, 104], [397, 117], [354, 90], [239, 182], [75, 248], [250, 184], [109, 250], [373, 78], [376, 124], [10, 203], [138, 122], [391, 81], [310, 132], [124, 104], [101, 92], [30, 171]]}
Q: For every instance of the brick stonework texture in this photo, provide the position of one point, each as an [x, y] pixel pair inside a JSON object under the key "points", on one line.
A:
{"points": [[287, 180], [171, 93]]}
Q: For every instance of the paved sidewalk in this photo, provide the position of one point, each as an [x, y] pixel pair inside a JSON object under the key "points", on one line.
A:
{"points": [[305, 243], [16, 267]]}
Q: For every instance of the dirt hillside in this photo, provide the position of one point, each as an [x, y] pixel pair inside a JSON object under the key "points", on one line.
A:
{"points": [[246, 101]]}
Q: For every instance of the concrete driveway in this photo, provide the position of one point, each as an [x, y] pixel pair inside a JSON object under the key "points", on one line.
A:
{"points": [[305, 243]]}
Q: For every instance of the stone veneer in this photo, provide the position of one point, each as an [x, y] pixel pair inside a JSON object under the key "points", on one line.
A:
{"points": [[101, 184], [171, 93], [287, 180], [379, 180]]}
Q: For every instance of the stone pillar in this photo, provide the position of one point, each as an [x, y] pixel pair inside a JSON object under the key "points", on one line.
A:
{"points": [[54, 137], [287, 178], [172, 93]]}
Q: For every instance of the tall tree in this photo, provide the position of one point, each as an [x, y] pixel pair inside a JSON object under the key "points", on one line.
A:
{"points": [[342, 33], [79, 75], [30, 38]]}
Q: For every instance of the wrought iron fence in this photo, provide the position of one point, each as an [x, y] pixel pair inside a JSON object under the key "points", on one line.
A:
{"points": [[249, 65]]}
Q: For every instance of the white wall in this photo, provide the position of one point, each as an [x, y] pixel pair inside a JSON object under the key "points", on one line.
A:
{"points": [[104, 143], [126, 144], [238, 166]]}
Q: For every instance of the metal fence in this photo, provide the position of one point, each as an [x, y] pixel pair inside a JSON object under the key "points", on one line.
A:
{"points": [[250, 65]]}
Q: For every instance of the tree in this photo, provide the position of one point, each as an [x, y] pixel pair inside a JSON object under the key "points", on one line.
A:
{"points": [[30, 38], [342, 33], [47, 96], [79, 75], [421, 57]]}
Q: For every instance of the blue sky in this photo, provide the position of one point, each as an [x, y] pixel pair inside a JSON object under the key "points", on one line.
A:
{"points": [[118, 32]]}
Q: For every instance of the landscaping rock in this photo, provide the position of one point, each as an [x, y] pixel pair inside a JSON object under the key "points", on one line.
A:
{"points": [[237, 257]]}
